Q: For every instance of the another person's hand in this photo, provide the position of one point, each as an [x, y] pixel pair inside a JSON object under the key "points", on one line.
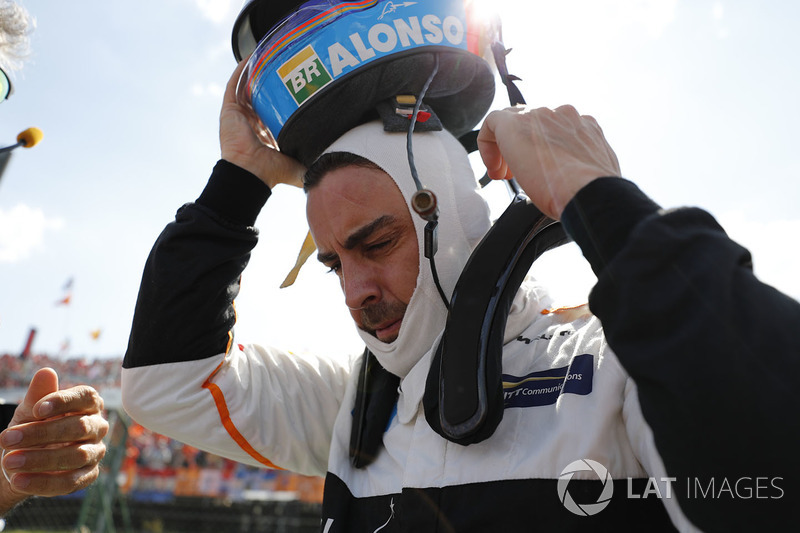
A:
{"points": [[54, 443], [241, 145], [551, 153]]}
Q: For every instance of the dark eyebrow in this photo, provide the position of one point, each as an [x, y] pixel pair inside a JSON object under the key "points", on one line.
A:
{"points": [[359, 236], [362, 233]]}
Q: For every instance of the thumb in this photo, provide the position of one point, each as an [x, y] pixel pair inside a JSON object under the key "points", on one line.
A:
{"points": [[44, 382]]}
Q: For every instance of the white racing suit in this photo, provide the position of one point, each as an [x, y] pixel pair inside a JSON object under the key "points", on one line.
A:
{"points": [[572, 421]]}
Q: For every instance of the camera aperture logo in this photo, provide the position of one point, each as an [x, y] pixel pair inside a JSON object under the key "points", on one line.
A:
{"points": [[585, 509]]}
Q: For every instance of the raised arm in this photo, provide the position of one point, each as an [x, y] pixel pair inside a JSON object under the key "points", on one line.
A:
{"points": [[183, 374], [714, 352]]}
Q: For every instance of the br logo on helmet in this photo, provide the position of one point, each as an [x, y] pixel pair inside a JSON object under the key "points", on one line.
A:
{"points": [[585, 509], [304, 74]]}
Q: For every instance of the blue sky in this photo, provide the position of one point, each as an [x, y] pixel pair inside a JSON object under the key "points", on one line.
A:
{"points": [[699, 100]]}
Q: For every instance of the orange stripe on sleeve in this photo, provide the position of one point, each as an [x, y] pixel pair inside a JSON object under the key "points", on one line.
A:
{"points": [[227, 423], [561, 310]]}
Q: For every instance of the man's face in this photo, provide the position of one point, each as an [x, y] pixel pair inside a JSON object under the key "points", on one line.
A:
{"points": [[364, 233]]}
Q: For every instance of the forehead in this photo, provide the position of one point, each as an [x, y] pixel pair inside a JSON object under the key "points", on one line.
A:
{"points": [[350, 197]]}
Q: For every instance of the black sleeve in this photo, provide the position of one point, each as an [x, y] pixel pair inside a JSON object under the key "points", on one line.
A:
{"points": [[6, 414], [714, 352], [185, 306]]}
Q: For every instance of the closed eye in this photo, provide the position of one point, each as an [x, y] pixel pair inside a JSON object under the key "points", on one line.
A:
{"points": [[379, 245], [383, 243]]}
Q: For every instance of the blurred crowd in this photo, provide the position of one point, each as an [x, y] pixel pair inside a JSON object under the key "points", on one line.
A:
{"points": [[17, 372], [158, 468]]}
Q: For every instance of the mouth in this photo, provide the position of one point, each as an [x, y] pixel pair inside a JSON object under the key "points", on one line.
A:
{"points": [[388, 332]]}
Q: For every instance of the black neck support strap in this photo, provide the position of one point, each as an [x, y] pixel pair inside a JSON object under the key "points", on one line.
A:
{"points": [[464, 392], [376, 397]]}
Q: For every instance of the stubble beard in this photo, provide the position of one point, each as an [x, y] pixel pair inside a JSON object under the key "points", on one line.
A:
{"points": [[377, 314]]}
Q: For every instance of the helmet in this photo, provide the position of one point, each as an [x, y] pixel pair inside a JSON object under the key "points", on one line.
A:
{"points": [[321, 67]]}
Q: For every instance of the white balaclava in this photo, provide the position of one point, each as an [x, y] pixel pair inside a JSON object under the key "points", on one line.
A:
{"points": [[444, 168]]}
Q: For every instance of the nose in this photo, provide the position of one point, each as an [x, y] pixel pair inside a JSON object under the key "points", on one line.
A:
{"points": [[360, 286]]}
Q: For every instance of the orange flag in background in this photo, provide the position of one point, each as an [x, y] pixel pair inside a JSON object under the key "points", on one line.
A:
{"points": [[67, 298]]}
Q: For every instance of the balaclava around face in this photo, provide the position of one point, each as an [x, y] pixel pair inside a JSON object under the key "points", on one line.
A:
{"points": [[443, 167]]}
